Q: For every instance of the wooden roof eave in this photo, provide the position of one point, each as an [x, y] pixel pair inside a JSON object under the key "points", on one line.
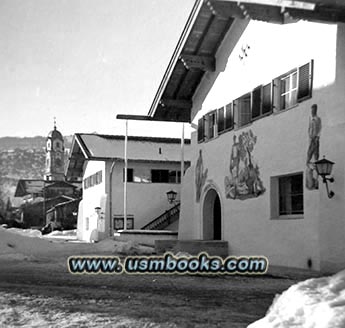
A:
{"points": [[272, 11], [176, 55], [77, 145]]}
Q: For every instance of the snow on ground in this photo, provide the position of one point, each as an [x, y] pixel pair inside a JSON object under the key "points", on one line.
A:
{"points": [[28, 244], [314, 303], [42, 311], [23, 244]]}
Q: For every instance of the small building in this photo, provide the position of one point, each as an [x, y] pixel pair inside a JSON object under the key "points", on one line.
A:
{"points": [[63, 215], [33, 213], [154, 168], [265, 83]]}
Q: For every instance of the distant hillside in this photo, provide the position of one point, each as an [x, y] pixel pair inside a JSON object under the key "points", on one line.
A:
{"points": [[38, 142], [22, 158]]}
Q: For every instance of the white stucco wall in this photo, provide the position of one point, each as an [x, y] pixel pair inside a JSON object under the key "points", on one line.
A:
{"points": [[281, 147], [145, 201], [93, 197]]}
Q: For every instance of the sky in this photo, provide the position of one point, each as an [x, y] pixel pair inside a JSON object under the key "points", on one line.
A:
{"points": [[84, 62]]}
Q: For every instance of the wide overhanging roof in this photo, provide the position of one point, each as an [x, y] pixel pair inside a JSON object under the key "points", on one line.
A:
{"points": [[207, 25], [100, 147]]}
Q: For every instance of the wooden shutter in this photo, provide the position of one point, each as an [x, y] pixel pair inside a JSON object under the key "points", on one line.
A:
{"points": [[229, 116], [129, 175], [267, 104], [276, 94], [235, 111], [305, 79], [256, 102], [212, 119], [201, 130], [206, 126], [221, 120]]}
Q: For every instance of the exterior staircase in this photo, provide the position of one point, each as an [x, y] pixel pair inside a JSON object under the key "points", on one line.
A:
{"points": [[164, 220]]}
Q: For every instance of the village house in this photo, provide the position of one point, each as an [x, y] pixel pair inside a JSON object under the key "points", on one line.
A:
{"points": [[264, 81], [153, 169]]}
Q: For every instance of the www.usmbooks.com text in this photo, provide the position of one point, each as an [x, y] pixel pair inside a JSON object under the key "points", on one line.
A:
{"points": [[168, 264]]}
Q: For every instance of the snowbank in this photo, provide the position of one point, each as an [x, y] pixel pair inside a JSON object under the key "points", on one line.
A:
{"points": [[64, 233], [26, 232], [18, 244], [314, 303]]}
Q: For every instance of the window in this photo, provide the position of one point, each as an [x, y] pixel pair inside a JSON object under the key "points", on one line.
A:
{"points": [[293, 87], [229, 116], [99, 177], [288, 90], [291, 194], [201, 129], [242, 110], [287, 196], [221, 120], [165, 176], [175, 176], [130, 173], [261, 101], [159, 176], [119, 222], [267, 104], [282, 93], [93, 180], [211, 124]]}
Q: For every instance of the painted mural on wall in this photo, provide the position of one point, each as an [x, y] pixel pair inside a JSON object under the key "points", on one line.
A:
{"points": [[200, 176], [314, 132], [244, 179]]}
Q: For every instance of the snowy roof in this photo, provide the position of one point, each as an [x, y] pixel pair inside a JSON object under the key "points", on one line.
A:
{"points": [[97, 146], [35, 186], [109, 147]]}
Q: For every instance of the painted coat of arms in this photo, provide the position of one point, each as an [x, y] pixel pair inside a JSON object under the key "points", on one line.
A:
{"points": [[244, 179]]}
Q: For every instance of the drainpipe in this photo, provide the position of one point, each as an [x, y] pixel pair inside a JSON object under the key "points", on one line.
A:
{"points": [[125, 183], [182, 153], [111, 228]]}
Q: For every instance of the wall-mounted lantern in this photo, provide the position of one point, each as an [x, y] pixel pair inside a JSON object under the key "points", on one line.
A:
{"points": [[324, 169], [171, 196]]}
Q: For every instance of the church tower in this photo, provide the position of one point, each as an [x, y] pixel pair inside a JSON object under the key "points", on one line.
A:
{"points": [[55, 156]]}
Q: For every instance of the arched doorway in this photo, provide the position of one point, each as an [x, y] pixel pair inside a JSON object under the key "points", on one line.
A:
{"points": [[212, 216]]}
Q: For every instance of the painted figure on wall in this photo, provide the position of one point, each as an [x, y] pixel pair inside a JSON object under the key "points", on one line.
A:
{"points": [[244, 179], [200, 176], [314, 132]]}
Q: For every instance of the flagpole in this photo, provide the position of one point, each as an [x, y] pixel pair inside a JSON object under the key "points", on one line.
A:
{"points": [[125, 182]]}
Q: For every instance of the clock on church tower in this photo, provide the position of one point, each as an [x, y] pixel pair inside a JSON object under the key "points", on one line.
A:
{"points": [[55, 151]]}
